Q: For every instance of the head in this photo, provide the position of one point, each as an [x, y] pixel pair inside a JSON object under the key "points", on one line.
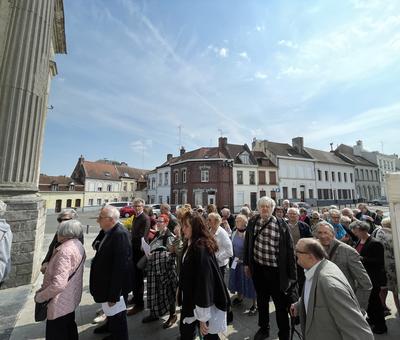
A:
{"points": [[3, 208], [181, 211], [199, 208], [265, 206], [347, 212], [360, 229], [323, 210], [279, 212], [386, 223], [315, 215], [345, 220], [148, 211], [303, 211], [325, 233], [108, 217], [379, 212], [165, 208], [334, 216], [286, 204], [245, 211], [214, 221], [196, 232], [333, 207], [162, 222], [138, 204], [68, 230], [211, 208], [225, 213], [241, 222], [363, 208], [309, 252], [66, 215], [293, 215]]}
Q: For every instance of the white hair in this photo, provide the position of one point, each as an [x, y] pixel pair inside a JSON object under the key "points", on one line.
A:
{"points": [[215, 216], [111, 212], [325, 224], [3, 208], [293, 210], [265, 200], [70, 229]]}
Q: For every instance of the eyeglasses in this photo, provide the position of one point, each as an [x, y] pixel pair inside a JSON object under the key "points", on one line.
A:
{"points": [[59, 219]]}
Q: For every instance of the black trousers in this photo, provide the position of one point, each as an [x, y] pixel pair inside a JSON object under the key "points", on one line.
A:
{"points": [[62, 328], [375, 309], [189, 331], [267, 284], [118, 326], [138, 280]]}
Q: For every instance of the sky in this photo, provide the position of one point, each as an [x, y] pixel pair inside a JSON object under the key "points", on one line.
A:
{"points": [[142, 78]]}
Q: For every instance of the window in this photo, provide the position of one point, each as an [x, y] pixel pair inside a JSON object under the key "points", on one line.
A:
{"points": [[132, 186], [109, 187], [351, 178], [339, 175], [184, 177], [205, 176], [71, 187], [153, 183], [160, 199], [77, 203], [366, 175], [261, 177], [333, 176], [166, 175], [272, 177], [99, 201], [99, 187], [69, 203], [357, 175], [90, 201], [54, 187], [320, 194], [244, 158], [285, 192], [159, 179], [239, 177], [345, 176], [252, 177], [319, 175], [310, 193], [376, 175], [124, 186], [362, 175], [176, 173], [294, 192], [326, 176], [372, 175]]}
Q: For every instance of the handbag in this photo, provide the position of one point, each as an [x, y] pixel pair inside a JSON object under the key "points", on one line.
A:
{"points": [[41, 307]]}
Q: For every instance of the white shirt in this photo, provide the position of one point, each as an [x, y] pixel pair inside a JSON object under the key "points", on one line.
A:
{"points": [[225, 249], [309, 274]]}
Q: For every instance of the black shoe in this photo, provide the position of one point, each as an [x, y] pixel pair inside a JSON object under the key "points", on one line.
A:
{"points": [[149, 318], [379, 330], [262, 333], [102, 329]]}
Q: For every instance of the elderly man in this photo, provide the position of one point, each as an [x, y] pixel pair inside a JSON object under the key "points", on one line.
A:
{"points": [[140, 228], [334, 219], [328, 308], [110, 270], [227, 217], [269, 259], [348, 260], [166, 210]]}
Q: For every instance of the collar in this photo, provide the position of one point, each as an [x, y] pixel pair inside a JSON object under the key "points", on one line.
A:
{"points": [[309, 273]]}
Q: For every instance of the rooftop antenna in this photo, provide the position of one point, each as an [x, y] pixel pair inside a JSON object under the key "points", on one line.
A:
{"points": [[180, 136], [331, 144], [220, 132], [382, 146]]}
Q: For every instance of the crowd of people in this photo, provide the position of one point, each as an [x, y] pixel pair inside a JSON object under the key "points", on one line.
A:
{"points": [[328, 271]]}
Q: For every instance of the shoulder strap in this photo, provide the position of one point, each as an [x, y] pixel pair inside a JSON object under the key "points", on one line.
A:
{"points": [[83, 257], [333, 250]]}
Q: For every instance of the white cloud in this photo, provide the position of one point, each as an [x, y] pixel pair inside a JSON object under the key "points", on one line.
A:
{"points": [[141, 145], [260, 28], [223, 52], [244, 55], [292, 71], [288, 43], [260, 75]]}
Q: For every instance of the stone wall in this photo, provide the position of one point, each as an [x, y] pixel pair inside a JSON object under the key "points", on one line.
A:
{"points": [[26, 216]]}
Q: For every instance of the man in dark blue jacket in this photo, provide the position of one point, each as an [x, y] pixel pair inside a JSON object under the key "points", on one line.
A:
{"points": [[110, 270]]}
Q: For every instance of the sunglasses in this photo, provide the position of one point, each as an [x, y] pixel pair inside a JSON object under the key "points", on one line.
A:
{"points": [[59, 220]]}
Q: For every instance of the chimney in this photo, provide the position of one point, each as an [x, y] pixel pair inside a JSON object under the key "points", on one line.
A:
{"points": [[169, 156], [298, 144], [81, 159], [358, 148], [222, 141], [182, 151]]}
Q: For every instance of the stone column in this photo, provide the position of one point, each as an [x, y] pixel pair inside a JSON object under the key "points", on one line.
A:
{"points": [[25, 52]]}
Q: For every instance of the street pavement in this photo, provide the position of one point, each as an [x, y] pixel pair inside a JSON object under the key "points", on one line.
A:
{"points": [[17, 308]]}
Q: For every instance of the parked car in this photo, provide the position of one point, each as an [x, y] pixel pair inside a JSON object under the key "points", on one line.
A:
{"points": [[155, 208], [119, 204], [127, 211], [380, 201], [305, 206]]}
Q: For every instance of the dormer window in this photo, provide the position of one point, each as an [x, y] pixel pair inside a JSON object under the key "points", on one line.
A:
{"points": [[126, 174], [54, 187], [244, 157], [107, 174], [71, 186]]}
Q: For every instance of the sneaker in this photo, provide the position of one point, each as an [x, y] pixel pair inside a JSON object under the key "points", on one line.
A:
{"points": [[253, 310], [262, 333]]}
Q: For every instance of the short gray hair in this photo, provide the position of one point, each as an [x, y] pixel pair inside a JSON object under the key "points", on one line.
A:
{"points": [[245, 211], [138, 200], [215, 216], [166, 206], [325, 224], [345, 219], [68, 213], [360, 225], [266, 200], [242, 217], [295, 210], [111, 212], [3, 208], [225, 211], [386, 223], [70, 229], [334, 211]]}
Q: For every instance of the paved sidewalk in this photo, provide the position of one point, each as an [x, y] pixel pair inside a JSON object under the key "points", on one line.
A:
{"points": [[17, 310]]}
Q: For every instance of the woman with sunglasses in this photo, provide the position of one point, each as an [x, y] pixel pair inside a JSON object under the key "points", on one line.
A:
{"points": [[65, 215], [162, 279]]}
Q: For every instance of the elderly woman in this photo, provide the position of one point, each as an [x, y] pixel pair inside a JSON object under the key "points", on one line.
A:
{"points": [[202, 292], [62, 283], [315, 219], [372, 257], [384, 235], [65, 215], [162, 279], [5, 245], [239, 282]]}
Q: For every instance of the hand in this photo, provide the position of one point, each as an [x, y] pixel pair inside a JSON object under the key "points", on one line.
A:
{"points": [[247, 271], [203, 328], [293, 310], [43, 267], [177, 231], [110, 304]]}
